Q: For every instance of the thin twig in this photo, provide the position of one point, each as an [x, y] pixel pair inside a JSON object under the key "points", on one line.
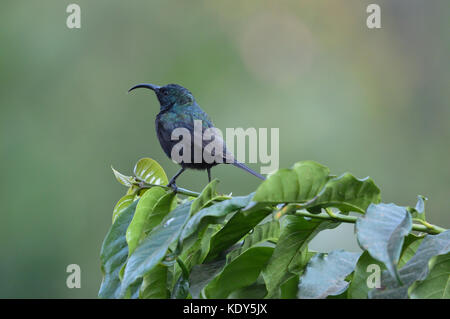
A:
{"points": [[179, 190], [430, 229]]}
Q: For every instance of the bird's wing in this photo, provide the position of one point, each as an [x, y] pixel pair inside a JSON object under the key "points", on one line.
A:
{"points": [[212, 144], [209, 147], [214, 147]]}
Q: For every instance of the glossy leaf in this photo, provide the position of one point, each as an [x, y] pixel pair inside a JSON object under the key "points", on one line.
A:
{"points": [[121, 205], [437, 283], [149, 171], [294, 185], [410, 246], [296, 232], [154, 285], [163, 206], [325, 274], [202, 274], [181, 289], [261, 233], [205, 197], [381, 231], [347, 193], [415, 269], [114, 253], [195, 253], [241, 272], [364, 272], [133, 290], [254, 291], [123, 179], [236, 228], [213, 215], [133, 190], [140, 218], [289, 289], [300, 260], [154, 247]]}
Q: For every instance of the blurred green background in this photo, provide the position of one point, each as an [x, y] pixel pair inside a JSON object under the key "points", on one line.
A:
{"points": [[373, 102]]}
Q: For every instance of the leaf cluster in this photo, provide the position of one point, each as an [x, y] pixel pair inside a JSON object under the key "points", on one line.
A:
{"points": [[163, 244]]}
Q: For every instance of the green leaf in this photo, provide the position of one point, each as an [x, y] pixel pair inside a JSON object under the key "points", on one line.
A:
{"points": [[419, 211], [154, 285], [294, 185], [114, 253], [347, 193], [133, 290], [415, 269], [133, 190], [325, 274], [163, 206], [254, 291], [381, 231], [123, 179], [202, 274], [358, 288], [261, 233], [196, 253], [149, 171], [410, 246], [205, 197], [241, 272], [181, 288], [213, 215], [289, 288], [300, 260], [121, 205], [437, 284], [154, 247], [140, 218], [296, 232], [236, 228]]}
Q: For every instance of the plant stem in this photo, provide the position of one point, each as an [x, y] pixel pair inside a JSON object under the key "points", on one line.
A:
{"points": [[179, 190], [430, 229], [328, 215], [435, 228], [330, 212]]}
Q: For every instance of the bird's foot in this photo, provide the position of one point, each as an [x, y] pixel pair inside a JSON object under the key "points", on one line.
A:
{"points": [[173, 186]]}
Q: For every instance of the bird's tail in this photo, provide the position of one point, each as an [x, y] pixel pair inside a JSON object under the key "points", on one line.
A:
{"points": [[245, 168]]}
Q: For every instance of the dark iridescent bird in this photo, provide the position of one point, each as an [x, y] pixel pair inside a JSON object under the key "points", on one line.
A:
{"points": [[178, 109]]}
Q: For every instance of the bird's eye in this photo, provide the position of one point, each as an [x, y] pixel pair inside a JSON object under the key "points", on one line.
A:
{"points": [[165, 92]]}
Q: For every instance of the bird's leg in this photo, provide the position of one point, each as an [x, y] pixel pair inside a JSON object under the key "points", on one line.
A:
{"points": [[173, 179], [209, 174]]}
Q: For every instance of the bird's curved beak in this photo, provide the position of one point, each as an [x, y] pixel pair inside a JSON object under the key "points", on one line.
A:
{"points": [[145, 85]]}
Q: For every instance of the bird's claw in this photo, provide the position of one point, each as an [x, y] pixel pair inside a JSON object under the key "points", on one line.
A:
{"points": [[173, 186]]}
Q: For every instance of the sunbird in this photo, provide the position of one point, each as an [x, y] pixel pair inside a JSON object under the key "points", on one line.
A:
{"points": [[179, 109]]}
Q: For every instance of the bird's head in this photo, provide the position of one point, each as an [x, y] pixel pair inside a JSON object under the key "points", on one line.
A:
{"points": [[169, 95]]}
